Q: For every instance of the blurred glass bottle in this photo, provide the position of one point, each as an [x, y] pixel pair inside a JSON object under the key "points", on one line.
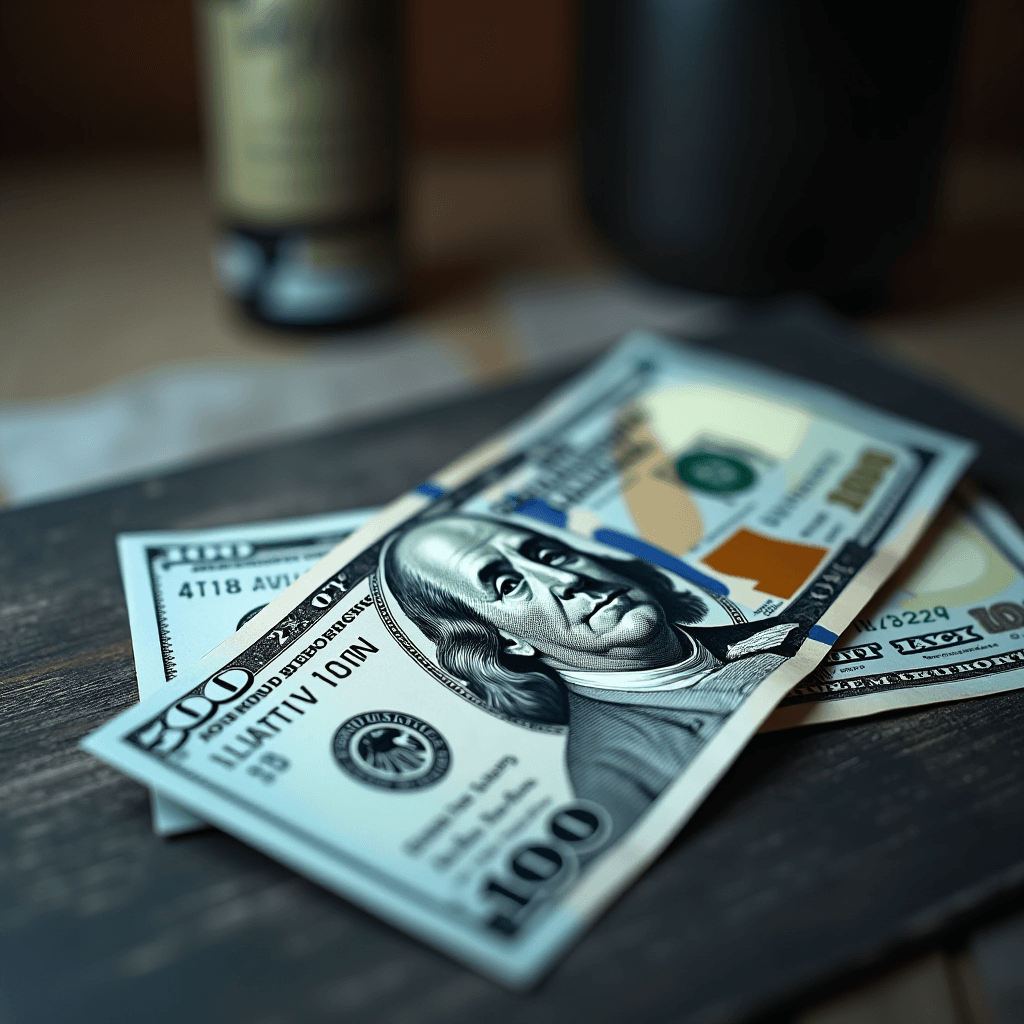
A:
{"points": [[303, 139], [750, 148]]}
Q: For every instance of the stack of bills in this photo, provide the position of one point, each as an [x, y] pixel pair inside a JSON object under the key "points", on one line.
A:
{"points": [[483, 710]]}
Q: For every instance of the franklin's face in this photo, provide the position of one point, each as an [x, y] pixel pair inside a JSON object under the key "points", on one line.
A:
{"points": [[543, 596]]}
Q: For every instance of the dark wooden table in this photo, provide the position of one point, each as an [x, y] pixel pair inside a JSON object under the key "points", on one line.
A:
{"points": [[823, 852]]}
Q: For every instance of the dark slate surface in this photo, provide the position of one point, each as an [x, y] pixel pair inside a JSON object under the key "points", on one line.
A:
{"points": [[998, 953], [822, 852]]}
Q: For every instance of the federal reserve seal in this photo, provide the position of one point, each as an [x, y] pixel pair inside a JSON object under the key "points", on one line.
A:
{"points": [[714, 473], [391, 750]]}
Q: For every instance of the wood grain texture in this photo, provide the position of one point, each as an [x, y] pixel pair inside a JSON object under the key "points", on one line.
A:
{"points": [[822, 850]]}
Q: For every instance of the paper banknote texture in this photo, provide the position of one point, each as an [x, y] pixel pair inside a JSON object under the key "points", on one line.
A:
{"points": [[489, 709], [187, 590], [948, 626]]}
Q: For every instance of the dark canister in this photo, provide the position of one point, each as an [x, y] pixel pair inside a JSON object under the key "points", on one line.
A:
{"points": [[752, 148]]}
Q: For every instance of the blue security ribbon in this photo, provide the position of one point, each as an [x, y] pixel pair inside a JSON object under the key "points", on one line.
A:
{"points": [[539, 509], [429, 490], [820, 633]]}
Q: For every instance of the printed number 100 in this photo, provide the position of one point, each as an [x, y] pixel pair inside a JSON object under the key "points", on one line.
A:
{"points": [[534, 868]]}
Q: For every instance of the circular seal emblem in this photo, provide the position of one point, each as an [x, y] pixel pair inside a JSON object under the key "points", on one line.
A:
{"points": [[391, 750], [717, 474]]}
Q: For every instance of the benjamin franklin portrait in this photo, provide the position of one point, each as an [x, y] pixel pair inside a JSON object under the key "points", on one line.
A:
{"points": [[541, 630]]}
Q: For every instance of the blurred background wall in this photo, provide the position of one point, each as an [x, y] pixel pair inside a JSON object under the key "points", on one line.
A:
{"points": [[490, 97], [991, 100], [104, 76], [101, 74]]}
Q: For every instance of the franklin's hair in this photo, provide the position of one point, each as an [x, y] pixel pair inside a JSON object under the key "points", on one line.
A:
{"points": [[473, 650]]}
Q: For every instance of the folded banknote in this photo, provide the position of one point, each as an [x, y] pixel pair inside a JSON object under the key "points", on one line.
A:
{"points": [[948, 626], [490, 708], [187, 590]]}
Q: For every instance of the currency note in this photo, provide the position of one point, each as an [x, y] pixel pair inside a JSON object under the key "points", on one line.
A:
{"points": [[948, 626], [187, 590], [490, 708]]}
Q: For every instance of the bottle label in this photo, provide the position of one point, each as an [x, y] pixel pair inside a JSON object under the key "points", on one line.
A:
{"points": [[301, 109]]}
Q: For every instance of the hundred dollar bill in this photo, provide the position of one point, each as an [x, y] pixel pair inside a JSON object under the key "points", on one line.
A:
{"points": [[948, 626], [187, 590], [490, 708]]}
